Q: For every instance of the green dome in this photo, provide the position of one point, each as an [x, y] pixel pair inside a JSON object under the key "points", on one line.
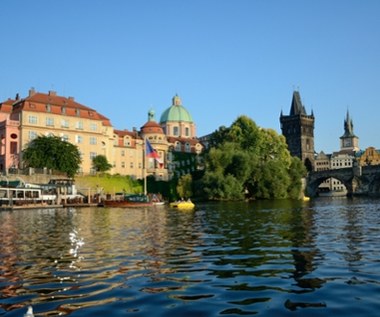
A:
{"points": [[176, 112]]}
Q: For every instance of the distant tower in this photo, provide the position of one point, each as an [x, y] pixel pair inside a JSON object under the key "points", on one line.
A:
{"points": [[349, 141], [298, 129]]}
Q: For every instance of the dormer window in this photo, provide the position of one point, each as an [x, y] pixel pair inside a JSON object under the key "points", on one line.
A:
{"points": [[63, 110], [77, 112], [48, 107]]}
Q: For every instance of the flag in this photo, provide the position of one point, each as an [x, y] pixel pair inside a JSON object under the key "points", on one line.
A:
{"points": [[151, 152]]}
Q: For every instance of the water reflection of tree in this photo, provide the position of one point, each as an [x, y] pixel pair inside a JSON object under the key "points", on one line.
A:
{"points": [[301, 233], [355, 235]]}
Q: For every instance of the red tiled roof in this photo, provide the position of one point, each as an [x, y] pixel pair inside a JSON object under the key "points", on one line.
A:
{"points": [[152, 127], [6, 106], [38, 101], [122, 133], [192, 141]]}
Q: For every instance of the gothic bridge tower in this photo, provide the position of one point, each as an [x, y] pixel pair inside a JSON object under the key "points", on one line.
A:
{"points": [[298, 129]]}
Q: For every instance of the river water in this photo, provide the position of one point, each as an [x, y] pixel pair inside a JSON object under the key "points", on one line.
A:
{"points": [[271, 258]]}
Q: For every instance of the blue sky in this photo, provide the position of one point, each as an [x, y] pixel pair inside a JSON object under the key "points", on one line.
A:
{"points": [[224, 58]]}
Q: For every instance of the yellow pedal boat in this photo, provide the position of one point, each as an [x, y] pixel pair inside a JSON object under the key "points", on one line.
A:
{"points": [[182, 205]]}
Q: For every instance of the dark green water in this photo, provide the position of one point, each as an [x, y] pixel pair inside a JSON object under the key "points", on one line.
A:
{"points": [[281, 258]]}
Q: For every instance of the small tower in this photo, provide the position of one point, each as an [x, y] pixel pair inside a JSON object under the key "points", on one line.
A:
{"points": [[349, 141], [298, 129]]}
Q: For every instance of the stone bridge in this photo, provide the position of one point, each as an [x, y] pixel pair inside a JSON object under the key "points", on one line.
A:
{"points": [[358, 180]]}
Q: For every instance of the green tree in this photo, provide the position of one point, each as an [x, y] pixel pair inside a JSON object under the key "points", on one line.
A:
{"points": [[53, 153], [248, 161], [297, 170], [101, 164], [184, 186]]}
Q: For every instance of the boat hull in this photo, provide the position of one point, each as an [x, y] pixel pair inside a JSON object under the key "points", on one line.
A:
{"points": [[183, 205], [125, 204]]}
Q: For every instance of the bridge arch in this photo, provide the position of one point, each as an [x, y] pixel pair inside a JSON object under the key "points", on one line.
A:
{"points": [[344, 175]]}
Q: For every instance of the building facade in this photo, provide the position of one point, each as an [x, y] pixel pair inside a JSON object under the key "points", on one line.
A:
{"points": [[370, 156], [22, 120], [344, 158], [298, 129]]}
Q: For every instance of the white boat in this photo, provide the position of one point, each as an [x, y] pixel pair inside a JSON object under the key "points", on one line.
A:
{"points": [[19, 196], [57, 192]]}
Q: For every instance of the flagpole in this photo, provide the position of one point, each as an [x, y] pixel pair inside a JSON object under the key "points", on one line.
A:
{"points": [[144, 166]]}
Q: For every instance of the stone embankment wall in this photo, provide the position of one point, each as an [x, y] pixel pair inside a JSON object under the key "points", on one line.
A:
{"points": [[34, 179]]}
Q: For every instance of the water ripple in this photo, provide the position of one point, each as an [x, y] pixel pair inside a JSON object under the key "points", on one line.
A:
{"points": [[263, 258]]}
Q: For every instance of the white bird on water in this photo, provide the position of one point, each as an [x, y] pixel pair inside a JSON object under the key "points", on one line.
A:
{"points": [[29, 312]]}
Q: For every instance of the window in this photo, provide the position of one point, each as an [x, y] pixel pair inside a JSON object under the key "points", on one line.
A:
{"points": [[122, 153], [13, 147], [65, 137], [187, 131], [33, 120], [92, 155], [175, 131], [79, 125], [93, 140], [78, 139], [93, 126], [123, 164], [32, 135], [48, 107], [131, 165], [64, 123], [49, 122]]}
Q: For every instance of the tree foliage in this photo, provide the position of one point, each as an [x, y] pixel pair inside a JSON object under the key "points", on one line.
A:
{"points": [[184, 186], [245, 160], [53, 153], [101, 164]]}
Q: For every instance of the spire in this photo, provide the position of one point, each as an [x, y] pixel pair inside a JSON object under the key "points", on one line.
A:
{"points": [[297, 108], [348, 126]]}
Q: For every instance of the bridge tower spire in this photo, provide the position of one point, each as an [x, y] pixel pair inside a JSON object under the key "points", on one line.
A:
{"points": [[298, 129]]}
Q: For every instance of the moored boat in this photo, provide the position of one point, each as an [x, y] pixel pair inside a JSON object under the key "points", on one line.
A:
{"points": [[128, 200], [26, 196], [183, 205]]}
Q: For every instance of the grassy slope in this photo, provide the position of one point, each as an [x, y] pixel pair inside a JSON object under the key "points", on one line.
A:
{"points": [[110, 184]]}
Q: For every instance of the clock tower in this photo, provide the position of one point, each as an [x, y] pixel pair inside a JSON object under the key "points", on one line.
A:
{"points": [[349, 141]]}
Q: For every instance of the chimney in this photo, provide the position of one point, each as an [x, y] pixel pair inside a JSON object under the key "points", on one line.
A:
{"points": [[31, 92], [17, 97], [52, 93], [71, 98]]}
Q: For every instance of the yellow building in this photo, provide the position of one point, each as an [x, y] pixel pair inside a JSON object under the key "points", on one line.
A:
{"points": [[370, 156], [22, 120]]}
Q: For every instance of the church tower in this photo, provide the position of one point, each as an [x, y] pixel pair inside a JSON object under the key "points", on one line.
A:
{"points": [[349, 141], [298, 129]]}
